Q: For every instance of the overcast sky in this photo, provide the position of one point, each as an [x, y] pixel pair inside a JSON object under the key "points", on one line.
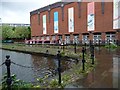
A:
{"points": [[18, 11]]}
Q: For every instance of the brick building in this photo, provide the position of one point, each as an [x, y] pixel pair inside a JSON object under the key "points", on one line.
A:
{"points": [[75, 22]]}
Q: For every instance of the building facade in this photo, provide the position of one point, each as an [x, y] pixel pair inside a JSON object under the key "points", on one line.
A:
{"points": [[76, 22]]}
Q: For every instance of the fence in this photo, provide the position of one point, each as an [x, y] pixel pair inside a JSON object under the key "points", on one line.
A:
{"points": [[81, 42], [8, 63]]}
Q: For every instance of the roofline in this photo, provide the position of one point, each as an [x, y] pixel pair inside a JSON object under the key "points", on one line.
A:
{"points": [[51, 6]]}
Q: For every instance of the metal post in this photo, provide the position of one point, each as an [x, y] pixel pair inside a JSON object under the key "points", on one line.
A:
{"points": [[90, 46], [63, 47], [117, 42], [109, 45], [90, 43], [47, 52], [75, 47], [92, 54], [83, 60], [85, 47], [8, 63], [99, 45], [59, 67]]}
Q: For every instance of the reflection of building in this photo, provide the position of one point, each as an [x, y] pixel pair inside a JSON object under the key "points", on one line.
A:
{"points": [[103, 30], [115, 71]]}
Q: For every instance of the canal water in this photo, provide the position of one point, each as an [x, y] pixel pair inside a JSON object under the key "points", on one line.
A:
{"points": [[107, 72], [36, 65], [105, 75]]}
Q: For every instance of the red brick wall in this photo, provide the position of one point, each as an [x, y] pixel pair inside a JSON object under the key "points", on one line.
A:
{"points": [[103, 22]]}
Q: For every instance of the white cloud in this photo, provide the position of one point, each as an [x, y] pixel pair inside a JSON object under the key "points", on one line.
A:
{"points": [[18, 11]]}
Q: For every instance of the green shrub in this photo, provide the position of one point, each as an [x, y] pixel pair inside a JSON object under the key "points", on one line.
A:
{"points": [[112, 46], [16, 83]]}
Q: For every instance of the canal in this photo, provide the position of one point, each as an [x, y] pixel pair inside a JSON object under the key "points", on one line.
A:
{"points": [[105, 75], [36, 65]]}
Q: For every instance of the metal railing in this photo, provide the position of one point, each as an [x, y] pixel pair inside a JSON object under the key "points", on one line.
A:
{"points": [[8, 63]]}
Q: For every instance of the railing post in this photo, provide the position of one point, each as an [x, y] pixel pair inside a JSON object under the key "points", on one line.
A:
{"points": [[85, 47], [9, 80], [92, 54], [109, 45], [83, 60], [117, 42], [59, 67], [63, 47], [99, 45], [75, 47], [90, 43]]}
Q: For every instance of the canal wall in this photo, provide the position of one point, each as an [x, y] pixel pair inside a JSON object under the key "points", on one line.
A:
{"points": [[52, 52]]}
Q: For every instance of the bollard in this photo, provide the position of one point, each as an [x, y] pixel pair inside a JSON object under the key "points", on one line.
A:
{"points": [[8, 63], [92, 54], [75, 47], [83, 60], [59, 67]]}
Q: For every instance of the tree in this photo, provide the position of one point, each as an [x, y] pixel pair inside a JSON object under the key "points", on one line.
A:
{"points": [[7, 32], [29, 29], [20, 32]]}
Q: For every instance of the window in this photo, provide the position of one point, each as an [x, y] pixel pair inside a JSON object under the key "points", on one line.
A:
{"points": [[96, 38], [53, 37], [110, 37], [38, 38], [33, 38], [60, 37], [76, 39], [47, 38], [67, 39], [85, 39], [42, 38]]}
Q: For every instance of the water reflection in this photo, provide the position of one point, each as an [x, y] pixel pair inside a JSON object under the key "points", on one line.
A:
{"points": [[40, 64], [105, 74], [115, 71]]}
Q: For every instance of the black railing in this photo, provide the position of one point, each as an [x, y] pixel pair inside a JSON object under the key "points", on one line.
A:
{"points": [[8, 63]]}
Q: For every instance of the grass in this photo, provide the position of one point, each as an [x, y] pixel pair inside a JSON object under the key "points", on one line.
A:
{"points": [[0, 87], [52, 50]]}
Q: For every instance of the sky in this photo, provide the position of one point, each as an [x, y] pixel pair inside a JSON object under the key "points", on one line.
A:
{"points": [[18, 11]]}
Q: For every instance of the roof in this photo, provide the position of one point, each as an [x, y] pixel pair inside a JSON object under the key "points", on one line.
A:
{"points": [[51, 6]]}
